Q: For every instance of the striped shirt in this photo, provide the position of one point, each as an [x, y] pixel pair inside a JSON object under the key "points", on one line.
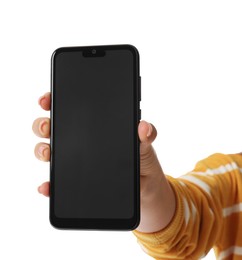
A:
{"points": [[208, 213]]}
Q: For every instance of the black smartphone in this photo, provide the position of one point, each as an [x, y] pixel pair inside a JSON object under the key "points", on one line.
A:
{"points": [[95, 163]]}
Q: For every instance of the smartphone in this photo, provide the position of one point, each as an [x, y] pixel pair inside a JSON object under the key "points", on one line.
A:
{"points": [[95, 163]]}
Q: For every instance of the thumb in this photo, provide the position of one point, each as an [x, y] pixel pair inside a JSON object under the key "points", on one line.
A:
{"points": [[149, 163], [147, 132]]}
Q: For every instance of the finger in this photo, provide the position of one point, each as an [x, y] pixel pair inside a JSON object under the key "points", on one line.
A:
{"points": [[41, 127], [44, 189], [147, 132], [42, 152], [149, 163], [44, 101]]}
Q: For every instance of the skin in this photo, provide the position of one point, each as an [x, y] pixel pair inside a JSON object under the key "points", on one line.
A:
{"points": [[157, 197]]}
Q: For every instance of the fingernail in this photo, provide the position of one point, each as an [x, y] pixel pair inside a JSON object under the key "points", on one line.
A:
{"points": [[41, 99], [149, 131], [41, 151], [43, 127], [39, 189]]}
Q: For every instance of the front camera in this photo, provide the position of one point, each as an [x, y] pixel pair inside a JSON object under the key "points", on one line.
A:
{"points": [[94, 51]]}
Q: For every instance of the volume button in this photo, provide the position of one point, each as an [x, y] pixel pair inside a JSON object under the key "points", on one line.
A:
{"points": [[139, 88]]}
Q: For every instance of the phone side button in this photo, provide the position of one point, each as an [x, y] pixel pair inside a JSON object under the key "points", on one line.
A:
{"points": [[139, 88], [139, 114]]}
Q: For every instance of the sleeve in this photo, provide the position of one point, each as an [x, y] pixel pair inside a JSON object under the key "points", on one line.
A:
{"points": [[197, 224]]}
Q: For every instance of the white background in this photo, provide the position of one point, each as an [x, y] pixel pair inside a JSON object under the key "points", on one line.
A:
{"points": [[191, 68]]}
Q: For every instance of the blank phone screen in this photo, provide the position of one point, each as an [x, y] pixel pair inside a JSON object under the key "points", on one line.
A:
{"points": [[93, 159]]}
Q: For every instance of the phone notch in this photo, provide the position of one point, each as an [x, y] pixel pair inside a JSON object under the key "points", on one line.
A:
{"points": [[93, 52]]}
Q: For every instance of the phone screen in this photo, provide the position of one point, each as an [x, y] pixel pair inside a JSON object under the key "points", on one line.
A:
{"points": [[94, 134]]}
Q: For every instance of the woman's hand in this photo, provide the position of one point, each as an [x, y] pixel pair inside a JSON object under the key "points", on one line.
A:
{"points": [[154, 188]]}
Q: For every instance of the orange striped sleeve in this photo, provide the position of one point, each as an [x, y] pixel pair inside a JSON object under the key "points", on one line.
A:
{"points": [[208, 213]]}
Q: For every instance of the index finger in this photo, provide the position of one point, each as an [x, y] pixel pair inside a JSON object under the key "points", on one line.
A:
{"points": [[44, 101]]}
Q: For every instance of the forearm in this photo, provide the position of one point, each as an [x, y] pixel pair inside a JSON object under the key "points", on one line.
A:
{"points": [[158, 203]]}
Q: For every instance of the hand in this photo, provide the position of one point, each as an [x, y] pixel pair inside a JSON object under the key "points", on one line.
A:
{"points": [[149, 164], [157, 198]]}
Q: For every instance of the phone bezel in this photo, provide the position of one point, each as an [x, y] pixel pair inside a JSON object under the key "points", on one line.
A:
{"points": [[99, 224]]}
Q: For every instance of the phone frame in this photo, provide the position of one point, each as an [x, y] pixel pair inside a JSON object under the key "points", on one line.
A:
{"points": [[99, 224]]}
